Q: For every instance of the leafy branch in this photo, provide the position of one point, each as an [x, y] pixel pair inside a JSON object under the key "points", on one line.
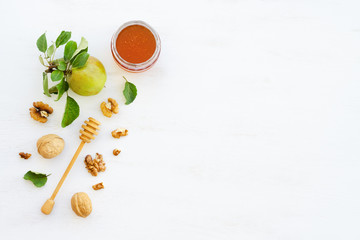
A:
{"points": [[75, 56]]}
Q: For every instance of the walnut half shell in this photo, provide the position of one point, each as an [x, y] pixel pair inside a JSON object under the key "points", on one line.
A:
{"points": [[81, 204]]}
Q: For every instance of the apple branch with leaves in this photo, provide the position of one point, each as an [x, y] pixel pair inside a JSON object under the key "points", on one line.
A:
{"points": [[75, 56]]}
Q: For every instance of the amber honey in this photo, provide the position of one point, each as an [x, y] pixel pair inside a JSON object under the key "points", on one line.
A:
{"points": [[135, 46]]}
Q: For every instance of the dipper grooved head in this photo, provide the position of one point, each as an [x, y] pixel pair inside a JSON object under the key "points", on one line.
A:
{"points": [[89, 130]]}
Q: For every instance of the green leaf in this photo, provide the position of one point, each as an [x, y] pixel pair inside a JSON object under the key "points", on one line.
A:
{"points": [[80, 60], [38, 179], [129, 92], [59, 89], [57, 75], [62, 87], [46, 85], [41, 43], [82, 46], [70, 49], [50, 50], [62, 38], [53, 90], [73, 58], [57, 61], [61, 66], [72, 111], [42, 61]]}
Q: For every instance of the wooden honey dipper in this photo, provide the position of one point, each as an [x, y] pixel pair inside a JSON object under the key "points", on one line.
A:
{"points": [[86, 136]]}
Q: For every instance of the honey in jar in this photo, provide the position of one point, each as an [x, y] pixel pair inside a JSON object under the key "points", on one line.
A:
{"points": [[135, 46]]}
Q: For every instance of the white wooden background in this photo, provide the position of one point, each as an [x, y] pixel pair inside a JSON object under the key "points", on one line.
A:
{"points": [[246, 128]]}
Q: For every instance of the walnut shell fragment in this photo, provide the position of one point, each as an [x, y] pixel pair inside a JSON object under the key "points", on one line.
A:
{"points": [[40, 111], [117, 133], [81, 204]]}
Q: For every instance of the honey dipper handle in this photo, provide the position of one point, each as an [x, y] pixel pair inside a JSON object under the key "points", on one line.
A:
{"points": [[49, 204], [67, 170]]}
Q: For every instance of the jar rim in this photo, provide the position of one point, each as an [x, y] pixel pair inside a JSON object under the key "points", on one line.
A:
{"points": [[136, 67]]}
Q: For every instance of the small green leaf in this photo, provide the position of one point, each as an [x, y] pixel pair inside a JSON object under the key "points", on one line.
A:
{"points": [[41, 43], [38, 179], [62, 87], [42, 61], [72, 111], [70, 49], [82, 46], [129, 92], [73, 59], [80, 60], [61, 66], [62, 38], [57, 75], [46, 85], [50, 50], [57, 61], [53, 90]]}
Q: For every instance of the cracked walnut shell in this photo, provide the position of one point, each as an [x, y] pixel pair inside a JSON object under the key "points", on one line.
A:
{"points": [[40, 111], [81, 204], [117, 133], [109, 108]]}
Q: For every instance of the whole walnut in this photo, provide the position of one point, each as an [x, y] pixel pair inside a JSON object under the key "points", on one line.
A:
{"points": [[50, 145], [81, 204]]}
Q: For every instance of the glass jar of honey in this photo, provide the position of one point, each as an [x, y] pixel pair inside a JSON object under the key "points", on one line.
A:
{"points": [[135, 46]]}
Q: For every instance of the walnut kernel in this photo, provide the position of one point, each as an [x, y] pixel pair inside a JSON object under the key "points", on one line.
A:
{"points": [[105, 110], [110, 107], [25, 155], [95, 165], [40, 111], [44, 114], [114, 105], [98, 186], [117, 133], [116, 151]]}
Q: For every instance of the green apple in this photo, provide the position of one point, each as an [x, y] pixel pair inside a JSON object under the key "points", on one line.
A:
{"points": [[89, 79]]}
